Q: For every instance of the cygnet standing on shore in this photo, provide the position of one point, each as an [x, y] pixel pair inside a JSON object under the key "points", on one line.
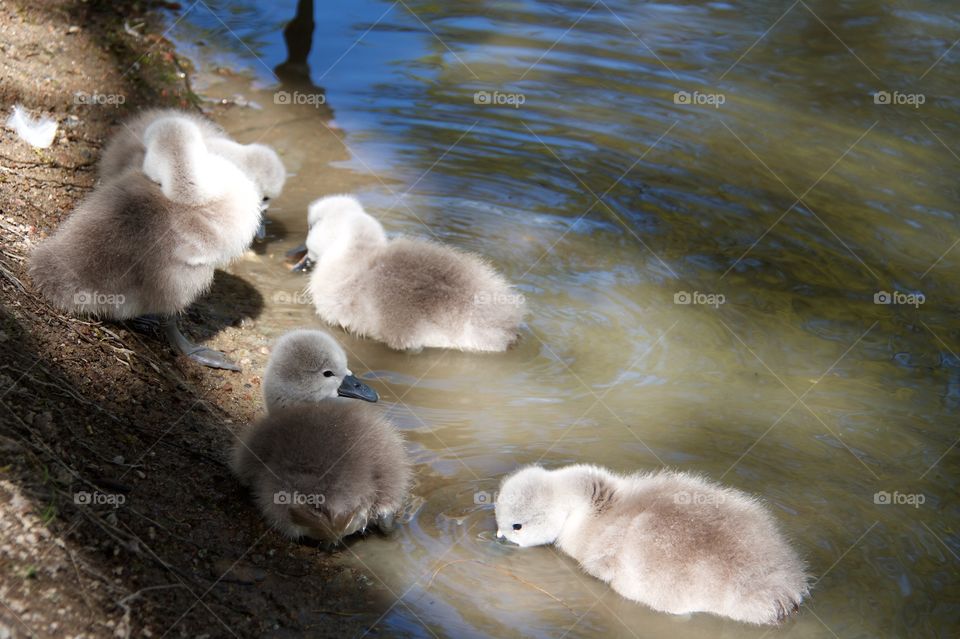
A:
{"points": [[126, 147], [675, 542], [147, 241]]}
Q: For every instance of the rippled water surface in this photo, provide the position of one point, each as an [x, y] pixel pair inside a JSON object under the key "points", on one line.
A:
{"points": [[621, 158]]}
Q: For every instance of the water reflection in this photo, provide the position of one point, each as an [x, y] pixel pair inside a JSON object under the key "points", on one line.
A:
{"points": [[298, 35], [798, 200]]}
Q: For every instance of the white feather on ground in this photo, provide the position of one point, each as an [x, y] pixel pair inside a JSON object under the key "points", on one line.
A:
{"points": [[36, 133]]}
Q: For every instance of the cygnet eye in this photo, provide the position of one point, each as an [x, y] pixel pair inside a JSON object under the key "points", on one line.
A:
{"points": [[517, 526], [328, 373]]}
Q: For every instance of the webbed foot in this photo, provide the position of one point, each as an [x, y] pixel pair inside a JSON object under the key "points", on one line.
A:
{"points": [[212, 359], [200, 354]]}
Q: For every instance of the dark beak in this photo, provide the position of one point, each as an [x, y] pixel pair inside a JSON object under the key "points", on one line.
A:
{"points": [[354, 388], [262, 229], [299, 259]]}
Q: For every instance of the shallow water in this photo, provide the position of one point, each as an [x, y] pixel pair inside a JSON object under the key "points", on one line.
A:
{"points": [[792, 203]]}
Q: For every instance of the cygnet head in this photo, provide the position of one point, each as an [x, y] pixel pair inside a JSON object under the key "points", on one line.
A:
{"points": [[339, 224], [529, 507], [258, 161], [178, 160], [308, 366]]}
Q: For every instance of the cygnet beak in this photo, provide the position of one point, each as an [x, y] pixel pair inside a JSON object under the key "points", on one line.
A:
{"points": [[354, 388], [262, 229], [503, 541], [299, 257]]}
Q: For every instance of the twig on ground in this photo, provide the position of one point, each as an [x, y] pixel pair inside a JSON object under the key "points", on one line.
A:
{"points": [[52, 164], [10, 277]]}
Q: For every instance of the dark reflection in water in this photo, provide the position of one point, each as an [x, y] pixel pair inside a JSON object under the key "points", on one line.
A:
{"points": [[298, 35]]}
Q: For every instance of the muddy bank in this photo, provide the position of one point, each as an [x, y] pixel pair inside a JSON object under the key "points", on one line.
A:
{"points": [[118, 515]]}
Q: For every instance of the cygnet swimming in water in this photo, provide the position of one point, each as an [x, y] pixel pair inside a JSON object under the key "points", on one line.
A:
{"points": [[147, 241], [321, 464], [260, 163], [407, 293], [675, 542]]}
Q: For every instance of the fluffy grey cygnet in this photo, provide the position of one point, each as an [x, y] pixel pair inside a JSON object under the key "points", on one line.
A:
{"points": [[259, 162], [321, 464], [127, 146], [675, 542], [147, 241], [407, 293]]}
